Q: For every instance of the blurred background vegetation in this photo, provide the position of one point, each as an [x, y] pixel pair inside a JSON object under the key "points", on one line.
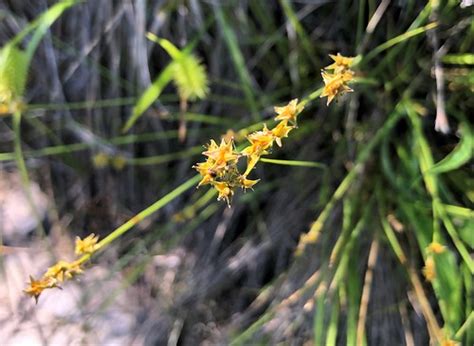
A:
{"points": [[86, 144]]}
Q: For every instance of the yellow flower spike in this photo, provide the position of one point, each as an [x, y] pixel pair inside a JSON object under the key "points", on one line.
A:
{"points": [[251, 162], [221, 154], [429, 270], [249, 151], [260, 140], [207, 172], [63, 271], [247, 183], [87, 245], [335, 84], [289, 112], [225, 192], [211, 147], [206, 179], [347, 75], [436, 248], [36, 287], [281, 131], [340, 62]]}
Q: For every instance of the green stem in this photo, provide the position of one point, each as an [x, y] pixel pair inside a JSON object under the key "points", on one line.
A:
{"points": [[121, 230], [295, 163]]}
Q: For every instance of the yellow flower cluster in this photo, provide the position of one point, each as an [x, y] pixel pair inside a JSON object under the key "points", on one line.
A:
{"points": [[86, 246], [62, 271], [220, 169], [335, 82]]}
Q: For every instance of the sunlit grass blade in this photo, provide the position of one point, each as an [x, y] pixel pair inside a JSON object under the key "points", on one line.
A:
{"points": [[459, 59], [296, 163], [333, 326], [45, 21], [149, 96], [397, 40], [127, 226]]}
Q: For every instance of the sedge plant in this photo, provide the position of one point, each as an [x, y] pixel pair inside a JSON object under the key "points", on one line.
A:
{"points": [[220, 170], [445, 257]]}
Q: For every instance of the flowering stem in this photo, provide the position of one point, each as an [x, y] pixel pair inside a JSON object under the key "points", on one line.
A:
{"points": [[143, 214]]}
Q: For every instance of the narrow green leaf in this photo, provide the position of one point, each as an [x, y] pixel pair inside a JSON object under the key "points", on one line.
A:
{"points": [[466, 232], [448, 289], [397, 40], [333, 324], [459, 59], [294, 163], [353, 301], [319, 317], [169, 47], [459, 156], [44, 22], [150, 95], [238, 60]]}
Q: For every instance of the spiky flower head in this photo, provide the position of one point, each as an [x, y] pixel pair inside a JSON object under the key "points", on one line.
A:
{"points": [[87, 245], [221, 154], [281, 131], [247, 183], [190, 77], [224, 190], [336, 77], [36, 287], [63, 271], [289, 112], [340, 62], [335, 84]]}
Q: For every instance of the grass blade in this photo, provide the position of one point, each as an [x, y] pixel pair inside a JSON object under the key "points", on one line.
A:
{"points": [[461, 154], [150, 95]]}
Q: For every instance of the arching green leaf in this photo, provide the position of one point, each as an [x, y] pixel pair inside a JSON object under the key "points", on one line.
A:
{"points": [[459, 156], [150, 95]]}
